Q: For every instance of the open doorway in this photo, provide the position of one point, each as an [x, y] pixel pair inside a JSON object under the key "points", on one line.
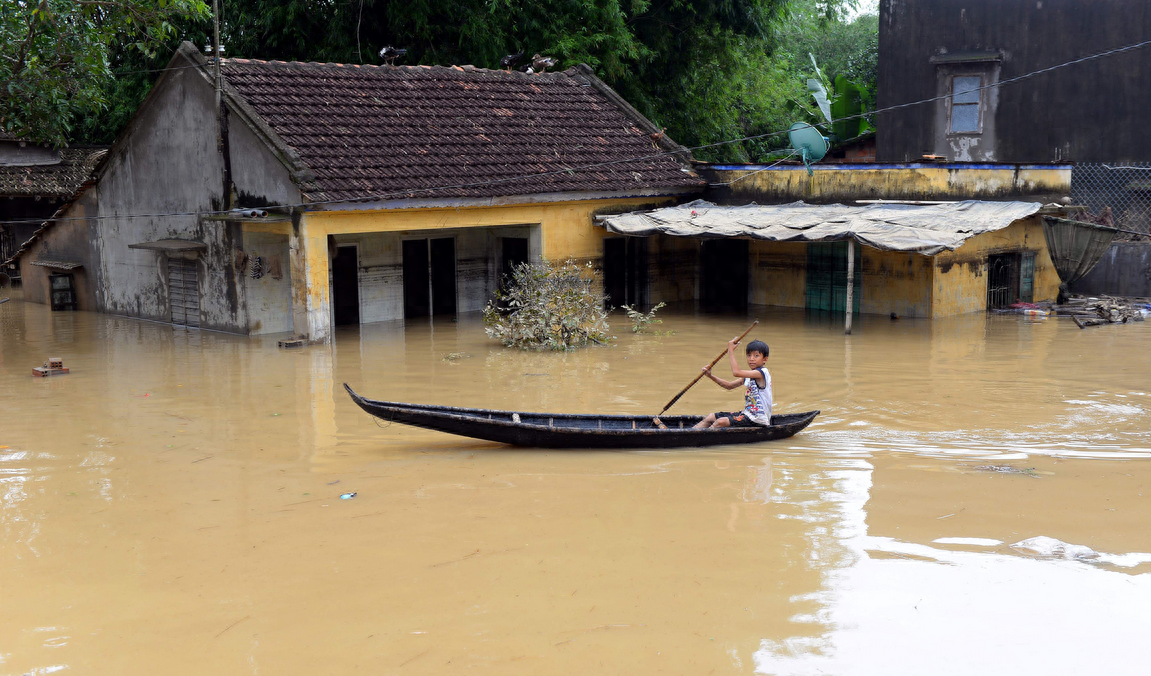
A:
{"points": [[429, 277], [515, 252], [625, 271], [346, 285], [723, 274], [443, 271]]}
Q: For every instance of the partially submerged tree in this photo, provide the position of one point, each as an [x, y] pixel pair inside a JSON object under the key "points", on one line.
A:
{"points": [[54, 56], [548, 307]]}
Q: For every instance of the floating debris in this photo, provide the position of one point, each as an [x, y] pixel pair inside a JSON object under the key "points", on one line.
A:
{"points": [[347, 496], [1096, 311], [452, 357], [1007, 469], [294, 341], [53, 367]]}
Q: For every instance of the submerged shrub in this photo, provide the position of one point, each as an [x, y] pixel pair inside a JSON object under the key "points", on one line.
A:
{"points": [[641, 321], [548, 306]]}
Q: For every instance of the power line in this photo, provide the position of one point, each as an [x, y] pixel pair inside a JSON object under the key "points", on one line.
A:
{"points": [[569, 170]]}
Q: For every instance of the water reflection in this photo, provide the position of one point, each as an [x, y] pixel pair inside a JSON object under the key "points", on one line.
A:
{"points": [[973, 494], [892, 601]]}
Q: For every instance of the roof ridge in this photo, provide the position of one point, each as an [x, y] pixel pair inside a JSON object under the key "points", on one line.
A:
{"points": [[466, 68]]}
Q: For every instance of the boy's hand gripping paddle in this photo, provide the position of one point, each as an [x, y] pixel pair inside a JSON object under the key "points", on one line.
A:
{"points": [[659, 423]]}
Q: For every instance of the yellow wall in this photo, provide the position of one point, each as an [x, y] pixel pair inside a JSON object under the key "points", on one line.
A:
{"points": [[778, 273], [830, 184], [960, 280], [895, 281], [566, 231]]}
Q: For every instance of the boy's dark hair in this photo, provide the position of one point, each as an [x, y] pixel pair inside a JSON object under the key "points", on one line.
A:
{"points": [[757, 346]]}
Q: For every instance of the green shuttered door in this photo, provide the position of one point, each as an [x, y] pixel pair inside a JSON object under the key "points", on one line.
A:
{"points": [[827, 276]]}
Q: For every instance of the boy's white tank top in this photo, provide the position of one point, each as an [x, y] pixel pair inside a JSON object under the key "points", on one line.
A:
{"points": [[758, 400]]}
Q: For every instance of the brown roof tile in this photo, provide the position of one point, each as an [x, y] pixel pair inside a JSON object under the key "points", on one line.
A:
{"points": [[366, 131], [62, 179]]}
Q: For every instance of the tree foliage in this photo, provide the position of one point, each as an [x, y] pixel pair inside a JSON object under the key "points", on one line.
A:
{"points": [[707, 70], [55, 56], [548, 306]]}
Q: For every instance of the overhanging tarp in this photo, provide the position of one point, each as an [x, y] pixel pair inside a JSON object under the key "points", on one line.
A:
{"points": [[924, 229], [1075, 247]]}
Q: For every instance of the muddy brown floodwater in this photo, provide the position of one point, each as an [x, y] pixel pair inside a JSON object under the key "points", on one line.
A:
{"points": [[974, 498]]}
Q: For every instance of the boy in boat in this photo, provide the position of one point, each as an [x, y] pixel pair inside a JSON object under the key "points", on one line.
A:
{"points": [[758, 400]]}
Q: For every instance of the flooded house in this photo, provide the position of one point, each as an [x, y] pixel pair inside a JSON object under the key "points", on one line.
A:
{"points": [[1088, 115], [36, 181], [317, 195], [928, 240]]}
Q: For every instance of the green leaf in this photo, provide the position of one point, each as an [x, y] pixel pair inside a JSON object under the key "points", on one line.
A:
{"points": [[819, 93]]}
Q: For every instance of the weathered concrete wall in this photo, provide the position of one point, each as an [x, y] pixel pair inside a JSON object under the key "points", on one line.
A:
{"points": [[268, 300], [1041, 119], [1124, 270], [890, 281], [849, 182], [895, 281], [167, 162], [558, 231], [673, 269], [960, 278], [67, 240], [778, 273]]}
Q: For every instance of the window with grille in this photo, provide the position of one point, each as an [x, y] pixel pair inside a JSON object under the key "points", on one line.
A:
{"points": [[965, 94]]}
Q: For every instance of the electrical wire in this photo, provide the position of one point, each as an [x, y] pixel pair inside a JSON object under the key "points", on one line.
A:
{"points": [[569, 170]]}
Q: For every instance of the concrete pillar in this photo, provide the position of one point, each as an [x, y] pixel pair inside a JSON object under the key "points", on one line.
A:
{"points": [[311, 303], [850, 285]]}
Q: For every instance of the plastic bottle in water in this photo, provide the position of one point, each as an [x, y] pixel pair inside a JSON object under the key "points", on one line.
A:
{"points": [[1035, 313]]}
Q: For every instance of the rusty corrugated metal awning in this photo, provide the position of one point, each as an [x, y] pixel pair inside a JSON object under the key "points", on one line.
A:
{"points": [[58, 265]]}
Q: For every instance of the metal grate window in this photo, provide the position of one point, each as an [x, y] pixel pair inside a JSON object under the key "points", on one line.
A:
{"points": [[1125, 188]]}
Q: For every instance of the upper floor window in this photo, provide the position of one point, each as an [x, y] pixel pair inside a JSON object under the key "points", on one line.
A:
{"points": [[965, 93]]}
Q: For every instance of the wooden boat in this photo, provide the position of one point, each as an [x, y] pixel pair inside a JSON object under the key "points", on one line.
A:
{"points": [[565, 430]]}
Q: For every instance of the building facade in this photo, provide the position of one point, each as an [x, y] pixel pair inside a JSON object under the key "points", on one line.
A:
{"points": [[326, 194], [957, 50]]}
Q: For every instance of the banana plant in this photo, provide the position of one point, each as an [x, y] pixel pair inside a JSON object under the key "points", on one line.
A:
{"points": [[843, 107]]}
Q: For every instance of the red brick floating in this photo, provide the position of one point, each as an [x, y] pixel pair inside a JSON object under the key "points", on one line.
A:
{"points": [[53, 367]]}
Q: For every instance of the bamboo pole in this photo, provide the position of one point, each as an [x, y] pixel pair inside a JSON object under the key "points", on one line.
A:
{"points": [[715, 361]]}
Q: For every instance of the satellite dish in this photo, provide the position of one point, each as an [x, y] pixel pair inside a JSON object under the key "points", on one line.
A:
{"points": [[807, 142]]}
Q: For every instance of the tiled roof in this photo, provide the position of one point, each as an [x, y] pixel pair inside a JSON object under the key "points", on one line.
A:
{"points": [[396, 131], [57, 180]]}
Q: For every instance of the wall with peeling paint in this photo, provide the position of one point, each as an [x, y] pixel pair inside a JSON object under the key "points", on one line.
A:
{"points": [[778, 273], [268, 298], [960, 278], [846, 183], [895, 281], [68, 243], [166, 162]]}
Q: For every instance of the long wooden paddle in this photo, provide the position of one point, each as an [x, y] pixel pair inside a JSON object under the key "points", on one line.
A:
{"points": [[658, 423]]}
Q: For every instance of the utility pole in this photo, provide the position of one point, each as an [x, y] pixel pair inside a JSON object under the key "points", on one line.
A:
{"points": [[216, 53]]}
